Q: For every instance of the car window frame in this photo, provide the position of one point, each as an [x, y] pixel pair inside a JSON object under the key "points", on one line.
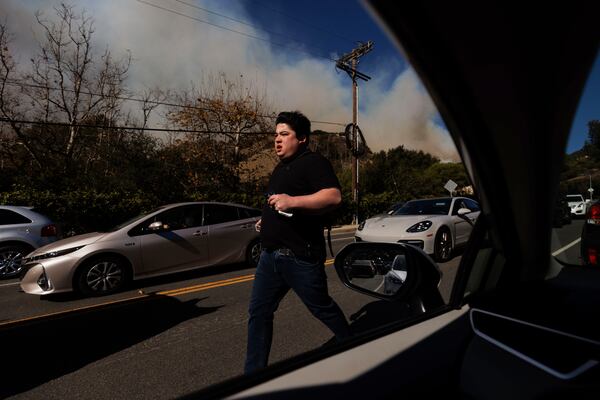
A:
{"points": [[138, 229], [12, 213]]}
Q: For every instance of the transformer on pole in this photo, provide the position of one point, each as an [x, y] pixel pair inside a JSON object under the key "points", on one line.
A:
{"points": [[348, 63]]}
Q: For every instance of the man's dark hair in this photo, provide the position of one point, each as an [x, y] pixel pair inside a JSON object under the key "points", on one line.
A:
{"points": [[297, 121]]}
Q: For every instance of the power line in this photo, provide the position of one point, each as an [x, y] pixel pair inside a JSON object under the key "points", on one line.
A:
{"points": [[298, 20], [134, 128], [232, 30], [135, 99], [247, 24]]}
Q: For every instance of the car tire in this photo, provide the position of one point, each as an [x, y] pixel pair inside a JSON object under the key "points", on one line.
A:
{"points": [[10, 259], [442, 248], [253, 253], [102, 275]]}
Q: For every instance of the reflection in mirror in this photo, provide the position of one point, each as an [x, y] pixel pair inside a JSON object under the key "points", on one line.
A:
{"points": [[378, 270], [155, 226]]}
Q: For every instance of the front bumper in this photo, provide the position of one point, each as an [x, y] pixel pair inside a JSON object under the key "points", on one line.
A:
{"points": [[578, 211], [57, 271], [422, 240], [29, 280]]}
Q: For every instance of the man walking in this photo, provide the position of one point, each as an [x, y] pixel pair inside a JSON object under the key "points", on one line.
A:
{"points": [[302, 188]]}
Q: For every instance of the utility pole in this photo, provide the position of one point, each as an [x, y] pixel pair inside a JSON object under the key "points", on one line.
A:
{"points": [[348, 63]]}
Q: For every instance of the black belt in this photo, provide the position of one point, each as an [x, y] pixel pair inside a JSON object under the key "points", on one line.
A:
{"points": [[284, 251]]}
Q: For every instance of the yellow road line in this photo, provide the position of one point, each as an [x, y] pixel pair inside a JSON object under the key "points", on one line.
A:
{"points": [[174, 292], [170, 293], [182, 292], [72, 310]]}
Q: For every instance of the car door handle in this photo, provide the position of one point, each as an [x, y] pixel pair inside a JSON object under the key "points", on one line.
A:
{"points": [[198, 233]]}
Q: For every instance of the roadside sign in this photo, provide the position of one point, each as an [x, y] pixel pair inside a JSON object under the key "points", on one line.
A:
{"points": [[450, 186]]}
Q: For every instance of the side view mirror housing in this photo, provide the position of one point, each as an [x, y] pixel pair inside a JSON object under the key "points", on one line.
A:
{"points": [[462, 213], [390, 271]]}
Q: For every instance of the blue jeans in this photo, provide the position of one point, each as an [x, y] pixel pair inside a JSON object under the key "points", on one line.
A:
{"points": [[275, 275]]}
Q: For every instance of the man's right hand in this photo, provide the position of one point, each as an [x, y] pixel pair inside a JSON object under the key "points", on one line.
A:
{"points": [[257, 225]]}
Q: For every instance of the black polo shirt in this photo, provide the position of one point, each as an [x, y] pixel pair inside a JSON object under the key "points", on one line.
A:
{"points": [[304, 173]]}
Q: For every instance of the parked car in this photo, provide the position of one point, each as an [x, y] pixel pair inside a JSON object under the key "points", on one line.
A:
{"points": [[577, 204], [562, 213], [22, 230], [590, 236], [519, 324], [171, 238], [437, 226]]}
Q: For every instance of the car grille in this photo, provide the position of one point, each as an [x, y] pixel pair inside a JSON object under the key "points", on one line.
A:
{"points": [[417, 243]]}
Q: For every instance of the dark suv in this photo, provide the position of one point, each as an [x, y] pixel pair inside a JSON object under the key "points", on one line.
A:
{"points": [[590, 235]]}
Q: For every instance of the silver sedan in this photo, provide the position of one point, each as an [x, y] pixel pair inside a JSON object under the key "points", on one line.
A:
{"points": [[172, 238]]}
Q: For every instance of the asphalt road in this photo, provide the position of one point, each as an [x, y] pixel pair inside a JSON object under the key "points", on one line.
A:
{"points": [[167, 336]]}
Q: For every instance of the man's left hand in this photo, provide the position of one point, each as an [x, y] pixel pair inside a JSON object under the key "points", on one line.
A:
{"points": [[281, 202]]}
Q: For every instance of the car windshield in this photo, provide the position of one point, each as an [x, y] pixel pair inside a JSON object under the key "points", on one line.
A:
{"points": [[113, 108], [425, 207], [574, 198], [131, 220]]}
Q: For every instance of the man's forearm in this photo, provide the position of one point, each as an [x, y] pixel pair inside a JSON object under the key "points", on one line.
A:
{"points": [[317, 203], [322, 201]]}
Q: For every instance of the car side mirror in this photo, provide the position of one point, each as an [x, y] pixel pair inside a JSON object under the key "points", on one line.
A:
{"points": [[462, 213], [390, 271], [155, 226]]}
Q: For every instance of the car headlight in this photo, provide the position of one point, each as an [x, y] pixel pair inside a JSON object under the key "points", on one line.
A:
{"points": [[420, 226], [361, 226], [52, 254]]}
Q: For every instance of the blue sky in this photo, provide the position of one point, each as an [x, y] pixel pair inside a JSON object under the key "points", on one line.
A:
{"points": [[588, 109], [352, 23], [172, 50]]}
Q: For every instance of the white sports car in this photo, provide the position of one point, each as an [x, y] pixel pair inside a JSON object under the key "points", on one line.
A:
{"points": [[577, 204], [437, 226]]}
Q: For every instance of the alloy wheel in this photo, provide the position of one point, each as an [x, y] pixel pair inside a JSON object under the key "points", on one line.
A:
{"points": [[10, 263], [444, 245], [255, 251], [104, 276]]}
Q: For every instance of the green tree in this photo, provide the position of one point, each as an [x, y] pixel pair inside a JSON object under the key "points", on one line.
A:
{"points": [[591, 147], [397, 170], [226, 113]]}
